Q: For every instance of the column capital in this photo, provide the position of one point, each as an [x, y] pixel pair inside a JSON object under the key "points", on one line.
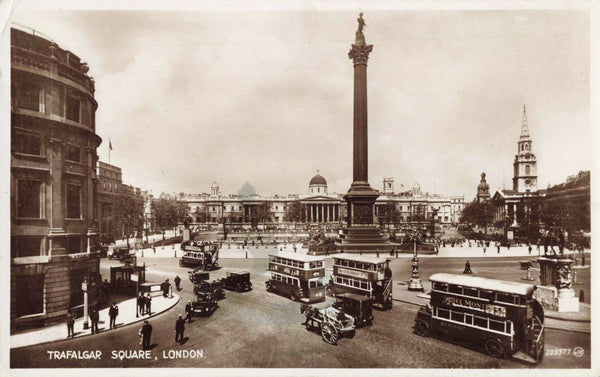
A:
{"points": [[360, 53]]}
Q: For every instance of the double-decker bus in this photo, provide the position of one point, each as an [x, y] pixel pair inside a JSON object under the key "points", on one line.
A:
{"points": [[501, 316], [203, 255], [297, 276], [363, 275]]}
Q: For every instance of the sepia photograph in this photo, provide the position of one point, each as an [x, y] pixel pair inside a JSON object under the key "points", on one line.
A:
{"points": [[298, 189]]}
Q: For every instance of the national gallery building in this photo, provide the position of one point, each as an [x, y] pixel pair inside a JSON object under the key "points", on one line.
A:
{"points": [[318, 206]]}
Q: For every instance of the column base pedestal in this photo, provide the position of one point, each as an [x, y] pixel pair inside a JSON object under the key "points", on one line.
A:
{"points": [[415, 285], [561, 301]]}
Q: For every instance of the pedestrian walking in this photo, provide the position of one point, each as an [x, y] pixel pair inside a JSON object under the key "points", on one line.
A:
{"points": [[498, 246], [140, 304], [105, 291], [188, 311], [166, 286], [529, 248], [484, 249], [467, 268], [179, 327], [113, 312], [94, 317], [177, 282], [148, 303], [70, 324], [146, 333]]}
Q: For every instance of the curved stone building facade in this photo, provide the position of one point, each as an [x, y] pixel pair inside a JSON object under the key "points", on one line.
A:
{"points": [[53, 182]]}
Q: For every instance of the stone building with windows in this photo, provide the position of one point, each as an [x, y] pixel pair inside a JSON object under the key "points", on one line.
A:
{"points": [[109, 183], [321, 207], [54, 228]]}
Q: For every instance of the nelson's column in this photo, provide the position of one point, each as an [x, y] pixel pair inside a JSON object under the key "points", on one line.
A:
{"points": [[362, 234]]}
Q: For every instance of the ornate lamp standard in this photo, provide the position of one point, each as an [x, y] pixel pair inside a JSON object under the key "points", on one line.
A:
{"points": [[415, 280]]}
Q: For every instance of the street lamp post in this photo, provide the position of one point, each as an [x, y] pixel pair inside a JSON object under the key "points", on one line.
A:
{"points": [[84, 288], [415, 279]]}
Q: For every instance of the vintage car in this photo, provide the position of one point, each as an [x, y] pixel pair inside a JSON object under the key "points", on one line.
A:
{"points": [[202, 285], [205, 304], [358, 306], [333, 323], [121, 253], [238, 281]]}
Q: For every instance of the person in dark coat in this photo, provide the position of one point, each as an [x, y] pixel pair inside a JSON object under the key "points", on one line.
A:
{"points": [[165, 288], [94, 317], [146, 332], [140, 305], [177, 282], [148, 302], [179, 327], [113, 312], [467, 268], [70, 324], [188, 311]]}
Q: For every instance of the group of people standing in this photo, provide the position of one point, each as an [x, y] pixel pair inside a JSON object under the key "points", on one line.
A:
{"points": [[144, 304], [94, 315]]}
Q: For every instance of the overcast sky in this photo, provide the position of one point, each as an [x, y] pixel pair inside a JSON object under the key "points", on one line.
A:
{"points": [[188, 98]]}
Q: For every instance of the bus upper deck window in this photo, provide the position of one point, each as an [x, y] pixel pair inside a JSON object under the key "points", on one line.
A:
{"points": [[455, 289]]}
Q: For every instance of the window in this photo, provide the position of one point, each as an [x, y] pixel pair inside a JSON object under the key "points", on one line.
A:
{"points": [[443, 313], [73, 153], [480, 321], [27, 144], [74, 245], [32, 97], [72, 108], [73, 201], [496, 325], [25, 246], [505, 297], [29, 198], [455, 289], [527, 170], [458, 317], [470, 292], [30, 294], [469, 319], [488, 295]]}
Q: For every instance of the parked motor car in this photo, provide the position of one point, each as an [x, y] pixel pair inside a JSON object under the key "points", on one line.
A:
{"points": [[120, 253], [238, 281]]}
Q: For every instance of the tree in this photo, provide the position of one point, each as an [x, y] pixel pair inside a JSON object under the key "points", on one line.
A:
{"points": [[168, 212], [129, 213], [296, 212], [480, 214]]}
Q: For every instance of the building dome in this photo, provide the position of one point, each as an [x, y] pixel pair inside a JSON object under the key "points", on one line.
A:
{"points": [[317, 180], [214, 185], [317, 185]]}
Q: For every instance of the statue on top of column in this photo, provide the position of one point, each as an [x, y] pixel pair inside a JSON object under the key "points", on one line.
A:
{"points": [[360, 37]]}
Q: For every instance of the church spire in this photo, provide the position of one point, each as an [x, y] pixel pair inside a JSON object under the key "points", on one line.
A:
{"points": [[524, 126]]}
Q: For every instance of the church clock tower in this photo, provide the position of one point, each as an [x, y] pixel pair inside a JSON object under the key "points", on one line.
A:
{"points": [[525, 165]]}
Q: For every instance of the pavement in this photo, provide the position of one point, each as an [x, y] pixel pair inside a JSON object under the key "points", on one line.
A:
{"points": [[127, 316]]}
